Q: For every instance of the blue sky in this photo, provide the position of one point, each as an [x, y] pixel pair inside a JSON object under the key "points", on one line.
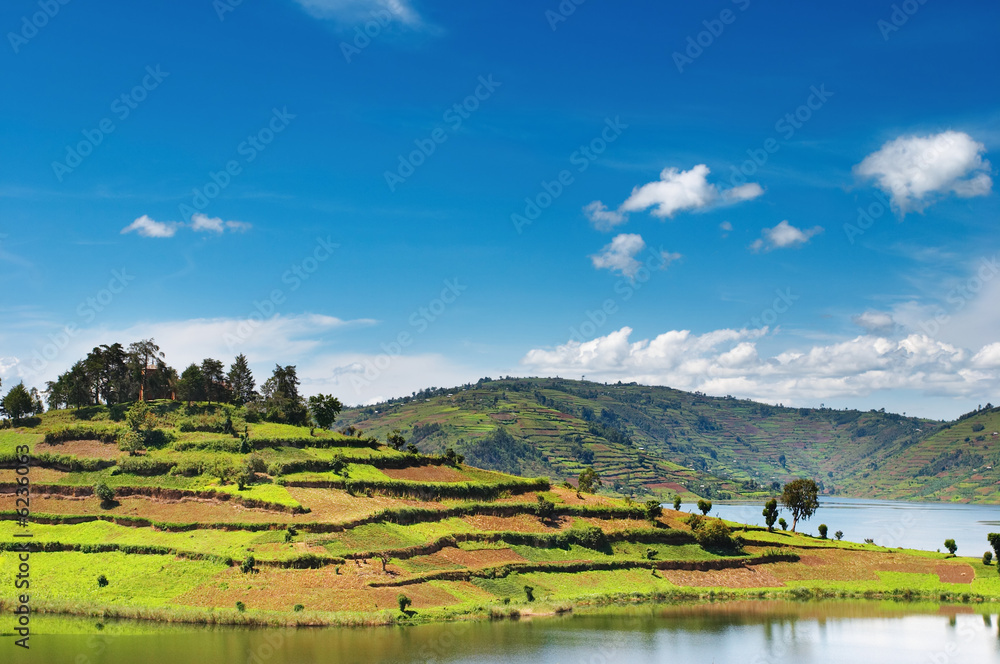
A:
{"points": [[697, 170]]}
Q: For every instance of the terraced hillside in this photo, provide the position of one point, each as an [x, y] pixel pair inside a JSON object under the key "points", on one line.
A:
{"points": [[652, 439], [957, 462], [273, 524]]}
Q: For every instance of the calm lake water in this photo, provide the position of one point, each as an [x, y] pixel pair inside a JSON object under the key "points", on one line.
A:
{"points": [[737, 633], [890, 523]]}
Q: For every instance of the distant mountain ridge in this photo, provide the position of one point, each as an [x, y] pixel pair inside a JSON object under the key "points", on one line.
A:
{"points": [[657, 439]]}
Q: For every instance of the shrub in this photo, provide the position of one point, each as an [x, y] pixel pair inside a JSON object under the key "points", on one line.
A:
{"points": [[248, 565], [994, 540], [545, 508], [529, 592], [677, 503], [839, 535], [987, 557], [951, 546], [717, 536], [145, 466], [297, 608], [978, 426], [650, 554], [654, 510], [102, 581], [823, 530], [403, 601], [591, 537], [783, 523], [695, 521], [104, 492], [704, 506], [241, 607]]}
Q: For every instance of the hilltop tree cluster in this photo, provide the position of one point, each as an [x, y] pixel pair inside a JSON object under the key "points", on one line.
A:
{"points": [[116, 374]]}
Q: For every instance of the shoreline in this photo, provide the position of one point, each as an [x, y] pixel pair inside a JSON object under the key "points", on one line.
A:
{"points": [[604, 604]]}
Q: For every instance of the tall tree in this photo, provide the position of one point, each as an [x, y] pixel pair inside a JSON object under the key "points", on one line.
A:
{"points": [[324, 409], [241, 382], [17, 402], [145, 351], [770, 514], [801, 498], [282, 402], [191, 386], [215, 380]]}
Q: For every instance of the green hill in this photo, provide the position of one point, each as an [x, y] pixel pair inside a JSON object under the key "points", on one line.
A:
{"points": [[653, 439], [224, 520]]}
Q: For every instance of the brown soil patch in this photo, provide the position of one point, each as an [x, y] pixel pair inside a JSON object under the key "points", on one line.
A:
{"points": [[614, 525], [448, 557], [568, 496], [37, 475], [179, 511], [843, 565], [426, 474], [336, 506], [740, 577], [319, 590], [955, 573], [523, 523], [673, 486], [91, 449]]}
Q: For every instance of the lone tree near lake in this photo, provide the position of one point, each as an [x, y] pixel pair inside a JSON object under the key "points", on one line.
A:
{"points": [[801, 498], [770, 514]]}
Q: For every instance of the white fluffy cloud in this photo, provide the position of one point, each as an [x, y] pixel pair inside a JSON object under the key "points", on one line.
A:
{"points": [[727, 362], [200, 223], [784, 236], [147, 227], [602, 218], [914, 170], [620, 255], [674, 192], [360, 10]]}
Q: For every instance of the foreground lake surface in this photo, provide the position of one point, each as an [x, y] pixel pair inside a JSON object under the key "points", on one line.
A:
{"points": [[740, 632], [890, 523]]}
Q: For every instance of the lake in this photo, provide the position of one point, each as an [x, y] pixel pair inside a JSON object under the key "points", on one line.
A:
{"points": [[888, 522], [738, 633]]}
